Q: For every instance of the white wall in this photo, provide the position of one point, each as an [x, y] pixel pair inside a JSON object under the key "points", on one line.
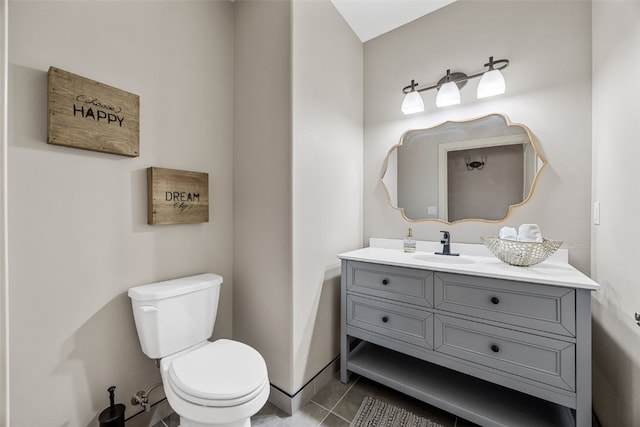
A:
{"points": [[616, 149], [4, 282], [297, 180], [262, 315], [77, 219], [327, 177], [548, 89]]}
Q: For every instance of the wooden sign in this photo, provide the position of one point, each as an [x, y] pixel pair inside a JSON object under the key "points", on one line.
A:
{"points": [[177, 197], [90, 115]]}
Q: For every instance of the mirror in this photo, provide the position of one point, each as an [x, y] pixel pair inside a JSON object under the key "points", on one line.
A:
{"points": [[469, 170]]}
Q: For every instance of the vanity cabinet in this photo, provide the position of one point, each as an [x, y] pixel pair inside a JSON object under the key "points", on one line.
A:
{"points": [[495, 351]]}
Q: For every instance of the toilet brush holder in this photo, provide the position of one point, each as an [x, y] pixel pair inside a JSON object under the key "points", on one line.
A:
{"points": [[113, 416]]}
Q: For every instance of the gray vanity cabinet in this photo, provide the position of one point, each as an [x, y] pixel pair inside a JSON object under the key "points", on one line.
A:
{"points": [[496, 352]]}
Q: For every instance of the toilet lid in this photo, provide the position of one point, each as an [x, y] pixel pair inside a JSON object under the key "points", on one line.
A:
{"points": [[224, 371]]}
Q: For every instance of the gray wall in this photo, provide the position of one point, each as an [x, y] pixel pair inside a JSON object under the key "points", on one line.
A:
{"points": [[79, 237], [4, 259], [297, 180], [77, 219], [548, 89], [616, 133], [327, 177], [262, 314]]}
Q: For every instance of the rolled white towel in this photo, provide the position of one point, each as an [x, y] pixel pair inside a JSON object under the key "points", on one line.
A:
{"points": [[508, 233], [529, 233]]}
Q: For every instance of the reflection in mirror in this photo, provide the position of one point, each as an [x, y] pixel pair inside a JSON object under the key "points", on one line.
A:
{"points": [[477, 169]]}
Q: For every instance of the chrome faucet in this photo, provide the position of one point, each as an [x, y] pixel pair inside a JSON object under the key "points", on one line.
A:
{"points": [[446, 244]]}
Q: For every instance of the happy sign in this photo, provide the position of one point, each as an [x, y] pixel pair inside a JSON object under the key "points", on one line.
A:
{"points": [[90, 115]]}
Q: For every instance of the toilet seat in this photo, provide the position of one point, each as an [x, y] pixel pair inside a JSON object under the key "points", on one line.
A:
{"points": [[220, 374]]}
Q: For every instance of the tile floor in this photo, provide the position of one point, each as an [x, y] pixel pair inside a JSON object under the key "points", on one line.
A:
{"points": [[337, 404]]}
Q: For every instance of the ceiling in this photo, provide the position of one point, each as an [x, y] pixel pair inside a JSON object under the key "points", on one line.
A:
{"points": [[371, 18]]}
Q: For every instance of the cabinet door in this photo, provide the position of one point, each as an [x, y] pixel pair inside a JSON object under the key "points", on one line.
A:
{"points": [[531, 305], [540, 359], [399, 322], [408, 285]]}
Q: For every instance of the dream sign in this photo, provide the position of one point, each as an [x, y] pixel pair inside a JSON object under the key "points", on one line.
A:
{"points": [[93, 116], [177, 197]]}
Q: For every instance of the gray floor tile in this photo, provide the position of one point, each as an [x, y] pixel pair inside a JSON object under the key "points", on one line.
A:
{"points": [[334, 421], [269, 415], [350, 403], [331, 393], [310, 415]]}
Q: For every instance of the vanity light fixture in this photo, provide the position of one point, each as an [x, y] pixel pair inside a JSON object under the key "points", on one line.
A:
{"points": [[492, 83], [448, 94], [412, 101]]}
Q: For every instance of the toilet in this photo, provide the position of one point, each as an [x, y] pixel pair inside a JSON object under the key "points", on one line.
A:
{"points": [[220, 383]]}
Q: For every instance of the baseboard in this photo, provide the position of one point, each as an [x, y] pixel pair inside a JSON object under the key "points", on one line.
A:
{"points": [[290, 404]]}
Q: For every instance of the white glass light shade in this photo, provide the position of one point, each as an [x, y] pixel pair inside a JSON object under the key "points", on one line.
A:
{"points": [[492, 83], [448, 94], [412, 103]]}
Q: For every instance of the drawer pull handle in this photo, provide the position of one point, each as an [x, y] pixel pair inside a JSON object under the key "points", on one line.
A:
{"points": [[385, 319], [385, 281], [495, 348], [495, 300]]}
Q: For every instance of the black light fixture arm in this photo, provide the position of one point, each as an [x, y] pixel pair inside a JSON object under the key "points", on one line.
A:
{"points": [[413, 85], [459, 78]]}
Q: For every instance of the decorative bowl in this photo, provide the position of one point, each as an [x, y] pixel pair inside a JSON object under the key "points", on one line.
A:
{"points": [[523, 254]]}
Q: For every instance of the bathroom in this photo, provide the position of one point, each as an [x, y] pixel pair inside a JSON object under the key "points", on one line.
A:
{"points": [[291, 115]]}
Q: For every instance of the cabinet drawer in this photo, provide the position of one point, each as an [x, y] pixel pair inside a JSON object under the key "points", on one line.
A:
{"points": [[412, 286], [399, 322], [542, 307], [537, 358]]}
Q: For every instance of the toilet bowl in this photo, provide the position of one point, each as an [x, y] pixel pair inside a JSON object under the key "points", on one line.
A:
{"points": [[220, 383], [223, 381]]}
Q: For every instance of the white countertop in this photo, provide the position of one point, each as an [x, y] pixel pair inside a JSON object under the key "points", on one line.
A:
{"points": [[554, 271]]}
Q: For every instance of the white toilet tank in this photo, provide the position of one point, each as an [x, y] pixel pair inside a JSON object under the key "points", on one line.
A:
{"points": [[176, 314]]}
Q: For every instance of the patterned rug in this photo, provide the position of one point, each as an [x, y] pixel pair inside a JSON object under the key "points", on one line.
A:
{"points": [[374, 413]]}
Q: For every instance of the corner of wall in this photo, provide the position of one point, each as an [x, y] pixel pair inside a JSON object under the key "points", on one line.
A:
{"points": [[614, 250], [4, 228], [262, 183]]}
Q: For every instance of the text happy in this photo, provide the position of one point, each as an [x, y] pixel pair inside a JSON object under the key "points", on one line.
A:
{"points": [[97, 115]]}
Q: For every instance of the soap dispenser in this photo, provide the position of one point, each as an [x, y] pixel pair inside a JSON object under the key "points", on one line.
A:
{"points": [[409, 243], [113, 416]]}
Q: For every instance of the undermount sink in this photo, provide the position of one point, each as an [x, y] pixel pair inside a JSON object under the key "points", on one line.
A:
{"points": [[444, 259]]}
